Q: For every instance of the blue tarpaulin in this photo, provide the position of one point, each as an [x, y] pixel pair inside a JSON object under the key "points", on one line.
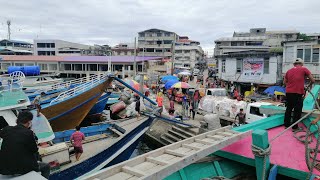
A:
{"points": [[272, 89], [169, 83], [168, 78]]}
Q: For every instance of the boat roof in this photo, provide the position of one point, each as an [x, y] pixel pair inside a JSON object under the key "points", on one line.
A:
{"points": [[12, 97]]}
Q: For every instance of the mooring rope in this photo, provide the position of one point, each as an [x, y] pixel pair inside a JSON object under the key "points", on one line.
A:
{"points": [[262, 153]]}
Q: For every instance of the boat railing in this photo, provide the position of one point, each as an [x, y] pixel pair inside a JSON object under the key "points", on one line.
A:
{"points": [[85, 84], [14, 83]]}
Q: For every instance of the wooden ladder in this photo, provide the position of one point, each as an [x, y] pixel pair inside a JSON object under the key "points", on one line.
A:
{"points": [[162, 162]]}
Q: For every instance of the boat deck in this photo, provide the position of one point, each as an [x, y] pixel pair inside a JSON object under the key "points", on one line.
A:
{"points": [[286, 150], [94, 147]]}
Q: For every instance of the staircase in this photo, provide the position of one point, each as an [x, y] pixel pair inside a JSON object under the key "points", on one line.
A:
{"points": [[177, 133]]}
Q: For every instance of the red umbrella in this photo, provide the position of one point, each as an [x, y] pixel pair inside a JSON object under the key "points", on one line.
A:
{"points": [[137, 87]]}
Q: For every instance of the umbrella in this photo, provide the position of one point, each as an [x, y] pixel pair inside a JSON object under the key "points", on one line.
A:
{"points": [[169, 77], [137, 87], [130, 82], [137, 78], [271, 90], [182, 85], [169, 83], [184, 73]]}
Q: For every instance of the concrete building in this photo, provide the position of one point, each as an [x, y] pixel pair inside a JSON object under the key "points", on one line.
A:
{"points": [[306, 50], [252, 58], [123, 49], [53, 47], [78, 66], [14, 47], [187, 52]]}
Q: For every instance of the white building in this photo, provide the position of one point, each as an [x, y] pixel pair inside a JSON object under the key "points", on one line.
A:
{"points": [[53, 47], [123, 49], [252, 58], [187, 52], [306, 50], [14, 47]]}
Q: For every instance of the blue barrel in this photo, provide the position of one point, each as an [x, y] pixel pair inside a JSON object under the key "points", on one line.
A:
{"points": [[27, 70]]}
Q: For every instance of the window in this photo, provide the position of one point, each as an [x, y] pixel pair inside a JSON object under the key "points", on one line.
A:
{"points": [[18, 64], [141, 34], [239, 65], [53, 45], [167, 34], [167, 42], [223, 64], [67, 67], [186, 51], [158, 50], [43, 67], [255, 111], [41, 45], [178, 51], [307, 55], [300, 53], [150, 50], [125, 53], [266, 66], [159, 34], [53, 67], [315, 55], [77, 67]]}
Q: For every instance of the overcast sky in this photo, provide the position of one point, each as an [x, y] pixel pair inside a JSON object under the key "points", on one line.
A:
{"points": [[114, 21]]}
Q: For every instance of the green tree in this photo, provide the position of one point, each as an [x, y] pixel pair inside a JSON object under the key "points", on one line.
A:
{"points": [[303, 36]]}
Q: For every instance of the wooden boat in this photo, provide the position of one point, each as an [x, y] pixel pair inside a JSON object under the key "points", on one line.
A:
{"points": [[101, 150], [100, 104], [70, 107], [287, 159]]}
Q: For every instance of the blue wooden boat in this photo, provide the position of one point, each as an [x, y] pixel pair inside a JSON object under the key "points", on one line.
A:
{"points": [[100, 104], [107, 146]]}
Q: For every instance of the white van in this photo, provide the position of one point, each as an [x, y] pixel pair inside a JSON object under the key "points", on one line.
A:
{"points": [[253, 111]]}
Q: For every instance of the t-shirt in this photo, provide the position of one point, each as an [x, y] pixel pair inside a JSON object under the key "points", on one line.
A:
{"points": [[159, 101], [295, 79], [37, 99], [242, 117], [77, 138], [171, 104]]}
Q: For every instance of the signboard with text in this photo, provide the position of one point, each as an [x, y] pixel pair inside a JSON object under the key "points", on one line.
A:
{"points": [[253, 68]]}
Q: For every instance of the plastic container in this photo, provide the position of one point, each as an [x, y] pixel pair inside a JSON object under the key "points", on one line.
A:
{"points": [[27, 70]]}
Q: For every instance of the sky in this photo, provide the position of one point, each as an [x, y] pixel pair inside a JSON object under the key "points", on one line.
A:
{"points": [[119, 21]]}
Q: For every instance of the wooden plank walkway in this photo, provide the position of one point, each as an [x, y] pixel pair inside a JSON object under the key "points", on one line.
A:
{"points": [[162, 162]]}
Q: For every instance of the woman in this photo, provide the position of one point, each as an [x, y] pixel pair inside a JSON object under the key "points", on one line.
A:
{"points": [[159, 100], [171, 109]]}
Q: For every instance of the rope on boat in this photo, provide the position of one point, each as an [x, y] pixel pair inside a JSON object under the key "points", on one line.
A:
{"points": [[308, 151], [262, 153]]}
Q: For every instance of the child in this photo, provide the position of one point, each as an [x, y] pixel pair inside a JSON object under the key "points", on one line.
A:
{"points": [[76, 140]]}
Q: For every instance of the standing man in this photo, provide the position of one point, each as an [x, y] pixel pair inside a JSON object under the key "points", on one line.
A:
{"points": [[76, 140], [241, 117], [294, 81], [19, 151], [37, 102]]}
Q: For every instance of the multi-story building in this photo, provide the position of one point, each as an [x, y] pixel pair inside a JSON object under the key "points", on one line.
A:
{"points": [[53, 47], [123, 49], [14, 47], [308, 50], [252, 58], [187, 52]]}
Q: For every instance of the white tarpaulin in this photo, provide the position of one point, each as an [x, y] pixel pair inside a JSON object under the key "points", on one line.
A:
{"points": [[253, 68]]}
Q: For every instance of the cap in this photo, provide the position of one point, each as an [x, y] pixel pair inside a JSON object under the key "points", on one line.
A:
{"points": [[298, 61]]}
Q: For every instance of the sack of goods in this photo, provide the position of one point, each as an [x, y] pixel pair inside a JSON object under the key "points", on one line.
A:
{"points": [[117, 107], [213, 121], [224, 106], [236, 106]]}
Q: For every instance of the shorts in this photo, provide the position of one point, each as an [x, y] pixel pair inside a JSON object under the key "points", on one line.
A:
{"points": [[78, 150]]}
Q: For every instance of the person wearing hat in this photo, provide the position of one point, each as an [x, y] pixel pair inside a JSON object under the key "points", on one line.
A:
{"points": [[294, 80]]}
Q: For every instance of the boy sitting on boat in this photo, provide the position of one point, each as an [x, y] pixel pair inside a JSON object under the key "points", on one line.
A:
{"points": [[36, 102]]}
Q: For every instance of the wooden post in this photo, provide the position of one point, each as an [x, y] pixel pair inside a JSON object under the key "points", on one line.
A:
{"points": [[260, 139]]}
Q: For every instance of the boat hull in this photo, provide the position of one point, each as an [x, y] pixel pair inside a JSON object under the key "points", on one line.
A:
{"points": [[100, 104], [116, 153], [70, 113]]}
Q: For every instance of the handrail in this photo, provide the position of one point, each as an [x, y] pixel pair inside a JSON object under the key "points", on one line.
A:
{"points": [[16, 78], [90, 82]]}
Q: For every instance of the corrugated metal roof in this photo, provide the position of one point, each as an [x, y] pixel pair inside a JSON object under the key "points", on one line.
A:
{"points": [[283, 32], [252, 38], [17, 41], [93, 59]]}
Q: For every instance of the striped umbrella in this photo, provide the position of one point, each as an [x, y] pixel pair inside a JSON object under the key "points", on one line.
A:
{"points": [[131, 82], [182, 85]]}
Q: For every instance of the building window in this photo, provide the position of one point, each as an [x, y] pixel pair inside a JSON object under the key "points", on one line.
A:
{"points": [[53, 67], [167, 42], [239, 65], [186, 51], [125, 53], [223, 64], [41, 45], [158, 50], [77, 67], [67, 67], [18, 64], [300, 53], [167, 34], [159, 34], [43, 66], [141, 34], [315, 55], [266, 66], [307, 55], [178, 51]]}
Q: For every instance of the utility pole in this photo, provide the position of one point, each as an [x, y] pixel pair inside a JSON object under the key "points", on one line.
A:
{"points": [[134, 59], [9, 30], [172, 52]]}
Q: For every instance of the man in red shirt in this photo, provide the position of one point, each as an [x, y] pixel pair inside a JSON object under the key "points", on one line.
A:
{"points": [[76, 140], [294, 81]]}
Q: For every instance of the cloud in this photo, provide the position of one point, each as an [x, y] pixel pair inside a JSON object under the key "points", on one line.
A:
{"points": [[114, 21]]}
